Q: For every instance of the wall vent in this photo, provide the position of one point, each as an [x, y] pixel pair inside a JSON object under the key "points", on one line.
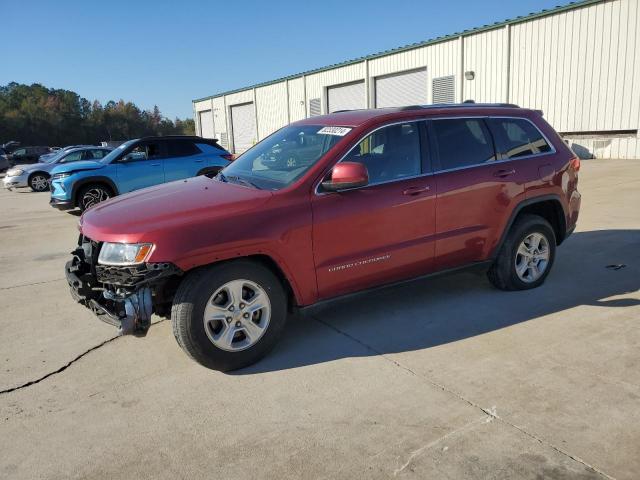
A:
{"points": [[224, 140], [444, 89], [315, 107]]}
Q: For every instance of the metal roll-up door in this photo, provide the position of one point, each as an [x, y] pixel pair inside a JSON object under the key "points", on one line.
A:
{"points": [[206, 124], [346, 97], [402, 89], [243, 123]]}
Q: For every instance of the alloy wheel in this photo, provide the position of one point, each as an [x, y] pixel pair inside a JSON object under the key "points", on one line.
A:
{"points": [[94, 196], [532, 257], [237, 315], [39, 183]]}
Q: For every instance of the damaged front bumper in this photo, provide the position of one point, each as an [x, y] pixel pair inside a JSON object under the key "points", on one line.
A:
{"points": [[124, 297]]}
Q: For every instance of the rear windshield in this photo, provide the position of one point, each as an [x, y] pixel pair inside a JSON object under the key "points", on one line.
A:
{"points": [[282, 158]]}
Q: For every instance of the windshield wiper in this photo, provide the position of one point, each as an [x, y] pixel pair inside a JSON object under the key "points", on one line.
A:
{"points": [[241, 180], [220, 176]]}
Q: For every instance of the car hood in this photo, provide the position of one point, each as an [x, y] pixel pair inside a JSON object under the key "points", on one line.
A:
{"points": [[171, 212], [75, 166], [27, 167]]}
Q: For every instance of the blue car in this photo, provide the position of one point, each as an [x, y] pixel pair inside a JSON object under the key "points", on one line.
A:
{"points": [[135, 164]]}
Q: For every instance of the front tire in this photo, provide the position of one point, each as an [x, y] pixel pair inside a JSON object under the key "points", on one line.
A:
{"points": [[39, 182], [527, 255], [229, 316], [92, 195]]}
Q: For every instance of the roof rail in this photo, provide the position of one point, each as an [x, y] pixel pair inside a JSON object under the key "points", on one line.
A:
{"points": [[468, 104]]}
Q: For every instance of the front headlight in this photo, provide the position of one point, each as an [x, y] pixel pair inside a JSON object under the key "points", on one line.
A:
{"points": [[60, 176], [124, 253], [14, 172]]}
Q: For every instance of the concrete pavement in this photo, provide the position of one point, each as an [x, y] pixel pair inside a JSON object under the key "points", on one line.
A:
{"points": [[442, 378]]}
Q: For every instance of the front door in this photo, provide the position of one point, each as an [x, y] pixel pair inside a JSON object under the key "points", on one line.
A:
{"points": [[384, 231], [142, 166]]}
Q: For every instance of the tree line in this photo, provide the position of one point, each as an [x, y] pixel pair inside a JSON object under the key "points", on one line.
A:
{"points": [[37, 115]]}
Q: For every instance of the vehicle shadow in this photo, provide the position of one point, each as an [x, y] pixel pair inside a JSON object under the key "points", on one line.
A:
{"points": [[443, 309]]}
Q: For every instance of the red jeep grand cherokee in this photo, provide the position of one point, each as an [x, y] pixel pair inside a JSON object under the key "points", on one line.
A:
{"points": [[324, 207]]}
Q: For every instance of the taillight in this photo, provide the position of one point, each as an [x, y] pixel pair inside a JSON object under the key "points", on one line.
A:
{"points": [[575, 163], [229, 157]]}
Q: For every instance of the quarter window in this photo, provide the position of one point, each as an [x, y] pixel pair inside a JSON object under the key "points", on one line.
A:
{"points": [[390, 153], [516, 137], [463, 142], [182, 148]]}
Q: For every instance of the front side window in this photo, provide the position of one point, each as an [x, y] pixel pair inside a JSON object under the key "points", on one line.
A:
{"points": [[145, 151], [72, 157], [517, 137], [20, 152], [390, 153], [284, 157], [462, 142]]}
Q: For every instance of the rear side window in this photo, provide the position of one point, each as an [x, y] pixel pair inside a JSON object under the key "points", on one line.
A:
{"points": [[390, 153], [462, 142], [517, 137], [182, 148]]}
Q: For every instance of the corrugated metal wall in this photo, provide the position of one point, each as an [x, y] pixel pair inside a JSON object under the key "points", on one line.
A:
{"points": [[579, 66]]}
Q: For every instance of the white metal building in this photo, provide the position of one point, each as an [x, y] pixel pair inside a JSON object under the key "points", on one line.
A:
{"points": [[579, 63]]}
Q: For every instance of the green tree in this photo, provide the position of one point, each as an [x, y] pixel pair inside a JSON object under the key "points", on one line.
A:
{"points": [[37, 115]]}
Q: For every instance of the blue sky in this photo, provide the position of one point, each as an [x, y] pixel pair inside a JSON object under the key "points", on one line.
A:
{"points": [[170, 52]]}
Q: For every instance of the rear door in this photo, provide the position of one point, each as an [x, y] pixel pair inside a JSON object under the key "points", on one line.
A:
{"points": [[384, 231], [476, 191], [141, 166], [184, 159]]}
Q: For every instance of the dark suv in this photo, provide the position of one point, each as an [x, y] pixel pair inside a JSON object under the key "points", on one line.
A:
{"points": [[26, 155], [324, 207]]}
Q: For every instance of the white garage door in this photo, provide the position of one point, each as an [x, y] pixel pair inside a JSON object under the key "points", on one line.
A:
{"points": [[206, 124], [346, 97], [402, 89], [243, 123]]}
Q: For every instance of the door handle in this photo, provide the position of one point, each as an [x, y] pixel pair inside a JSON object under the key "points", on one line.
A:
{"points": [[504, 173], [198, 161], [415, 190], [155, 164]]}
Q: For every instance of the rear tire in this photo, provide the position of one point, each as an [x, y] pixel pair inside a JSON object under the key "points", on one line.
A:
{"points": [[527, 255], [92, 195], [39, 182], [213, 325]]}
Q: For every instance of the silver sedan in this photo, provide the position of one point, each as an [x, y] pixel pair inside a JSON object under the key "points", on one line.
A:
{"points": [[37, 175]]}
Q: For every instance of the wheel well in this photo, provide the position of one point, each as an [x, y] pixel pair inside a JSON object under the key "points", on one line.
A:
{"points": [[38, 172], [552, 212], [271, 264]]}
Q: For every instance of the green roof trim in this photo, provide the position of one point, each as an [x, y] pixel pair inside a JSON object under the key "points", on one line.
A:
{"points": [[412, 46]]}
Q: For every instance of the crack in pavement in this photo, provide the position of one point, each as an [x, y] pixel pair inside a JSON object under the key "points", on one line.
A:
{"points": [[489, 412], [67, 365], [59, 370]]}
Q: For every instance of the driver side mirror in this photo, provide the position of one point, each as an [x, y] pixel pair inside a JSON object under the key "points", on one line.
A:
{"points": [[347, 175]]}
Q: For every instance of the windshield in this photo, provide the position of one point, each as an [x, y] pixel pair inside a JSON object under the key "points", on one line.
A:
{"points": [[53, 157], [282, 158], [117, 151]]}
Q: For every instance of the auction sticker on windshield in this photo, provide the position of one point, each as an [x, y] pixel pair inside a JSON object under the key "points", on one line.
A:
{"points": [[340, 131]]}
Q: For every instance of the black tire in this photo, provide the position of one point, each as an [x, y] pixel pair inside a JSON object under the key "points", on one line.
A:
{"points": [[36, 182], [502, 273], [92, 194], [194, 292]]}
